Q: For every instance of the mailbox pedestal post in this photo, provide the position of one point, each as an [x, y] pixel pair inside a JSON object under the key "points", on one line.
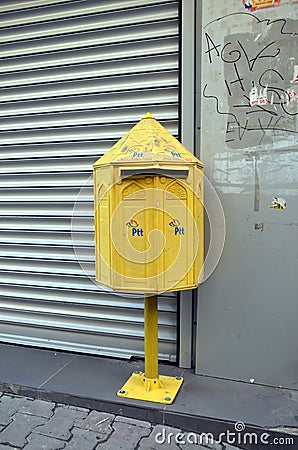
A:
{"points": [[151, 336], [149, 385]]}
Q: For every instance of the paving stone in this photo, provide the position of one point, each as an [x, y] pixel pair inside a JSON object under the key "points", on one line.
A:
{"points": [[9, 406], [229, 447], [214, 446], [76, 408], [60, 424], [40, 442], [161, 438], [97, 421], [198, 446], [38, 408], [82, 440], [139, 423], [7, 447], [22, 425], [147, 448], [124, 437], [195, 447], [29, 424], [196, 441]]}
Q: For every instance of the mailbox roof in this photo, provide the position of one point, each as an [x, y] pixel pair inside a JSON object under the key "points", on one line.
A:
{"points": [[148, 142]]}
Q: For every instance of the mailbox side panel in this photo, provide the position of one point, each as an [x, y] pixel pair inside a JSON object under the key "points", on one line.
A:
{"points": [[102, 202]]}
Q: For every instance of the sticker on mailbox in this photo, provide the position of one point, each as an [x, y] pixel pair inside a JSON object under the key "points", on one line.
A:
{"points": [[178, 230], [278, 203], [135, 231]]}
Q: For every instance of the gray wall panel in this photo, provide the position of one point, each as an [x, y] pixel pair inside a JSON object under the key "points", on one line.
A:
{"points": [[248, 307]]}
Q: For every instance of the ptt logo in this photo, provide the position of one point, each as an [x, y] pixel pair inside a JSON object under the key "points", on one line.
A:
{"points": [[172, 150], [135, 231], [137, 155], [175, 223], [136, 152]]}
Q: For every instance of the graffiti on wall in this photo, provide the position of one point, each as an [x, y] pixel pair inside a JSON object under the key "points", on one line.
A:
{"points": [[257, 73]]}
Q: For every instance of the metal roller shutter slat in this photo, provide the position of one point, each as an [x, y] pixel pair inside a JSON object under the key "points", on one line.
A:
{"points": [[59, 60], [143, 96], [56, 252], [15, 5], [88, 39], [95, 132], [166, 303], [81, 7], [93, 70]]}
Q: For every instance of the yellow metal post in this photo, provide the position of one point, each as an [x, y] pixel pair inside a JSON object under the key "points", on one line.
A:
{"points": [[151, 336], [149, 385]]}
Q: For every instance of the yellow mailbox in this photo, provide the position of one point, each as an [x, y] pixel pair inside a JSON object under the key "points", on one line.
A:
{"points": [[149, 233], [148, 213]]}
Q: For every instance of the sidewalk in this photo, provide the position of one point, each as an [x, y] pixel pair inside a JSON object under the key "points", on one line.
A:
{"points": [[203, 405]]}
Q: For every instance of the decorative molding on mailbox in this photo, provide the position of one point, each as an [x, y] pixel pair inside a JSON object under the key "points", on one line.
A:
{"points": [[148, 141]]}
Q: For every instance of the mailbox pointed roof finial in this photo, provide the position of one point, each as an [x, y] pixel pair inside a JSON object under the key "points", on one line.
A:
{"points": [[148, 142], [148, 115]]}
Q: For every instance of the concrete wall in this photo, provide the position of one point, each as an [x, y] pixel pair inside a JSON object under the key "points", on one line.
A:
{"points": [[248, 308]]}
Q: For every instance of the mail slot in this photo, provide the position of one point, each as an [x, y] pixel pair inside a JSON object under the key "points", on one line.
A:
{"points": [[148, 213], [174, 173]]}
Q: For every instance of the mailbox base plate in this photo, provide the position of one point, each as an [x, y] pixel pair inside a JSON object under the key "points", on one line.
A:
{"points": [[159, 390]]}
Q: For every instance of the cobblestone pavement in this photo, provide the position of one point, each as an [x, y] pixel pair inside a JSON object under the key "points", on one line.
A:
{"points": [[30, 424]]}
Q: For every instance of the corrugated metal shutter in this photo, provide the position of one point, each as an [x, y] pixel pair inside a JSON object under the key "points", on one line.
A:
{"points": [[74, 77]]}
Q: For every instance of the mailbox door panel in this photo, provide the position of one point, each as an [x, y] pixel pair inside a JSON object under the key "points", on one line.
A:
{"points": [[131, 221], [181, 231]]}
